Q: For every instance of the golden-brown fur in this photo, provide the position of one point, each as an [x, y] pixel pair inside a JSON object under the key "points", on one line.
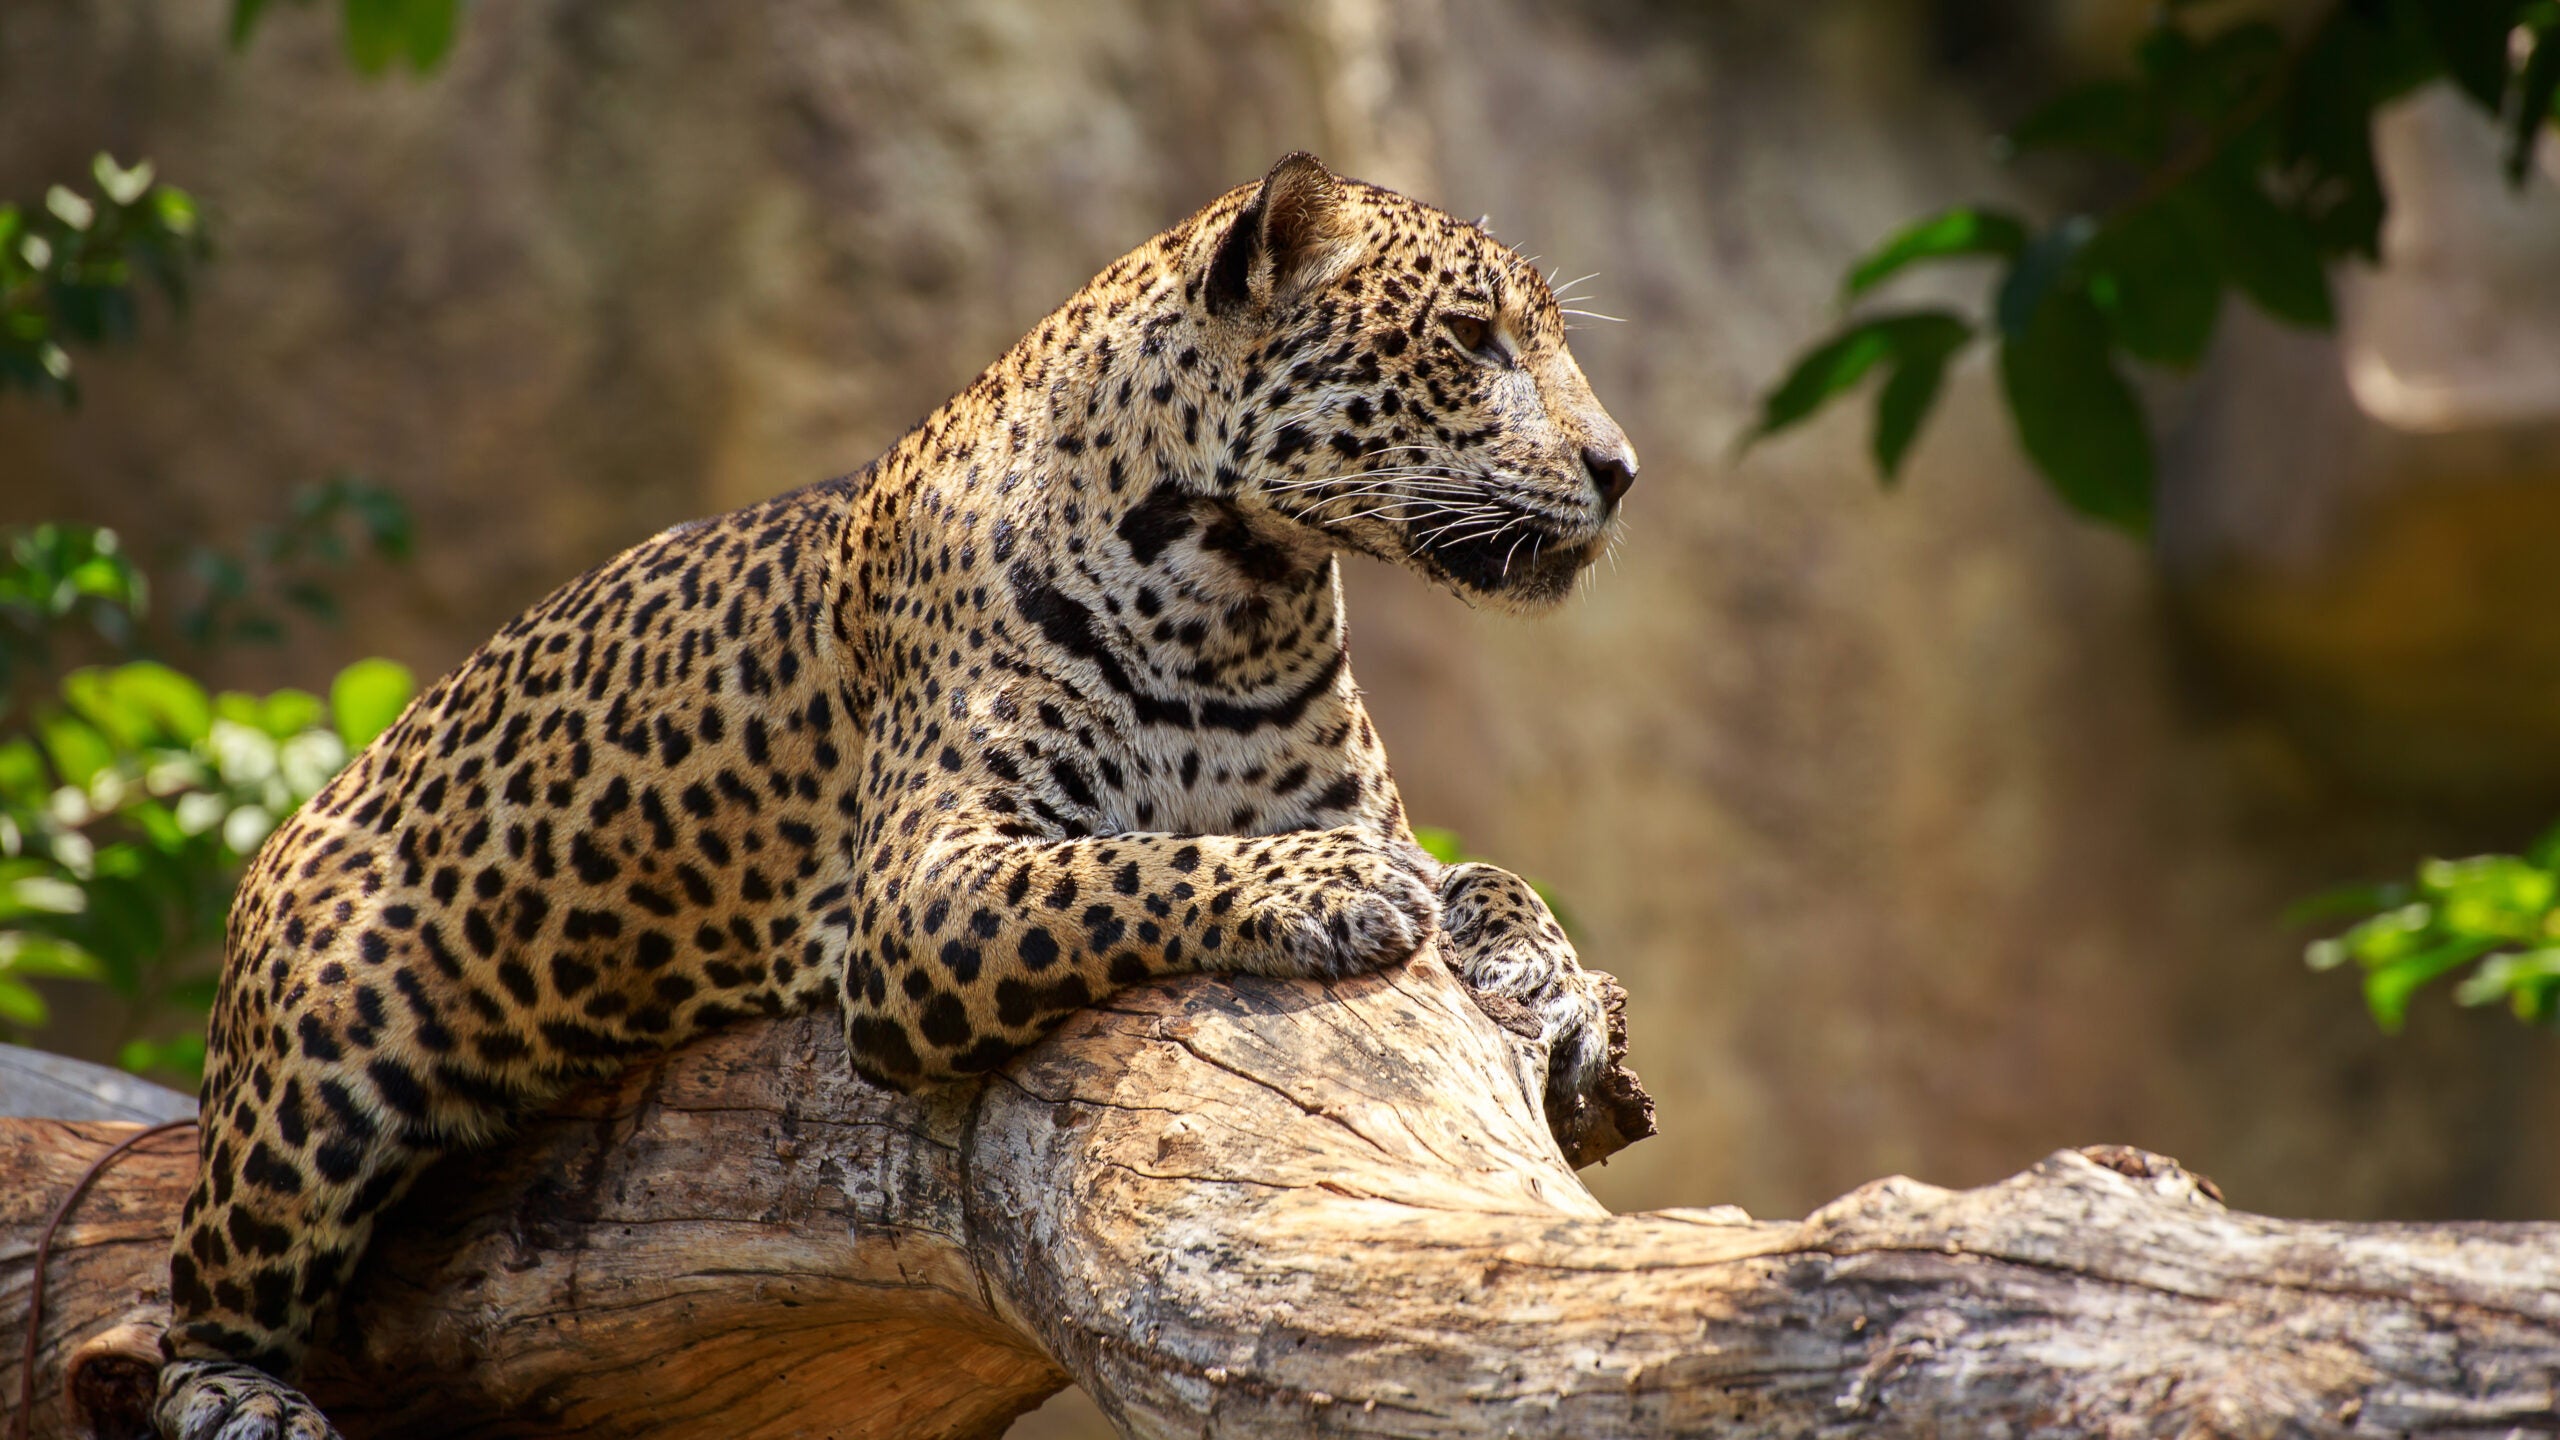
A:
{"points": [[1051, 698]]}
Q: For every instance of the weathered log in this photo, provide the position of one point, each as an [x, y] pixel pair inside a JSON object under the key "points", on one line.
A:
{"points": [[55, 1087], [1245, 1207]]}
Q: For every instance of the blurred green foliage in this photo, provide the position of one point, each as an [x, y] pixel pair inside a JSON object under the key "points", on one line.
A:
{"points": [[131, 796], [2498, 914], [72, 269], [2241, 160], [247, 596], [73, 591], [377, 32], [58, 581]]}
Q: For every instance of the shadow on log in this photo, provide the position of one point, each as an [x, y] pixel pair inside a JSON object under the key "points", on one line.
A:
{"points": [[1264, 1208]]}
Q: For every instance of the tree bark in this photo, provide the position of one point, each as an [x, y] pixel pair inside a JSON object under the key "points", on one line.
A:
{"points": [[1246, 1207]]}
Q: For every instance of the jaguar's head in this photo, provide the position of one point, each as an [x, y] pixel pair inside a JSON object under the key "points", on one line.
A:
{"points": [[1403, 388]]}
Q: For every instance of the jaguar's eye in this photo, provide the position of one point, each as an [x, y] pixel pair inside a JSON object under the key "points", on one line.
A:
{"points": [[1473, 333]]}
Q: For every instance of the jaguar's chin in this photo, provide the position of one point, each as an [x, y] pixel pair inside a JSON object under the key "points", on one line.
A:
{"points": [[1521, 568]]}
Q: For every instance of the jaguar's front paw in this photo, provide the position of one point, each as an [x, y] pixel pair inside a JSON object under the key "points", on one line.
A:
{"points": [[1508, 950], [219, 1400], [1344, 906]]}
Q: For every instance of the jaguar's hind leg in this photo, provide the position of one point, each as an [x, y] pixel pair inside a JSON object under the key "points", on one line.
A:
{"points": [[324, 1098], [295, 1166]]}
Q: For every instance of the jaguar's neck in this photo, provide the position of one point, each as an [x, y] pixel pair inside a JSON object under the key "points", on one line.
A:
{"points": [[1097, 451]]}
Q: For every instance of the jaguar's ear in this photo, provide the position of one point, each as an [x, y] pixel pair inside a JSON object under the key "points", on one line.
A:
{"points": [[1293, 235]]}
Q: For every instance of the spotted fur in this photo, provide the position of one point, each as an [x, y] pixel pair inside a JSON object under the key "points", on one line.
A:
{"points": [[1050, 699]]}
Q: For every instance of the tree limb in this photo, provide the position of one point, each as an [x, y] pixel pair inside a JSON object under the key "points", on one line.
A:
{"points": [[1247, 1207]]}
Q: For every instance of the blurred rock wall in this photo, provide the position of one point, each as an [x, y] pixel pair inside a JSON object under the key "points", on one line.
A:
{"points": [[1923, 827]]}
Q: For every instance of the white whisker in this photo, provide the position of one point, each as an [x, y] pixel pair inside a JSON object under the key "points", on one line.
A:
{"points": [[1470, 530]]}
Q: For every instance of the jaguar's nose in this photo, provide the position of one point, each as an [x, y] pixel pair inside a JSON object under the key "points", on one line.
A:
{"points": [[1612, 474]]}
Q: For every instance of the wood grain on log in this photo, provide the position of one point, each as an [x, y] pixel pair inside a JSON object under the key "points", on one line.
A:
{"points": [[1244, 1207]]}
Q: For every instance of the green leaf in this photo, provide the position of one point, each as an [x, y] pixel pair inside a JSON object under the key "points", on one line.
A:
{"points": [[385, 517], [280, 715], [2540, 96], [141, 704], [20, 1005], [127, 926], [177, 704], [2150, 276], [428, 27], [1826, 370], [311, 597], [2391, 936], [1904, 401], [69, 206], [2266, 251], [77, 750], [1844, 359], [2500, 976], [2076, 418], [366, 697], [2471, 39], [40, 892], [1964, 231], [174, 210], [2038, 269], [24, 780], [375, 32], [2325, 135], [2498, 896], [108, 577], [120, 185], [2387, 990], [29, 956]]}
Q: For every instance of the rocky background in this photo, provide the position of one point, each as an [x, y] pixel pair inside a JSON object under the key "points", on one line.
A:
{"points": [[1929, 830]]}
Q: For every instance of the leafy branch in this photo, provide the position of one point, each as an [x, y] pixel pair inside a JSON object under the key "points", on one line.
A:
{"points": [[126, 813], [2498, 913], [130, 796], [2243, 161], [246, 596], [77, 589], [72, 269]]}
